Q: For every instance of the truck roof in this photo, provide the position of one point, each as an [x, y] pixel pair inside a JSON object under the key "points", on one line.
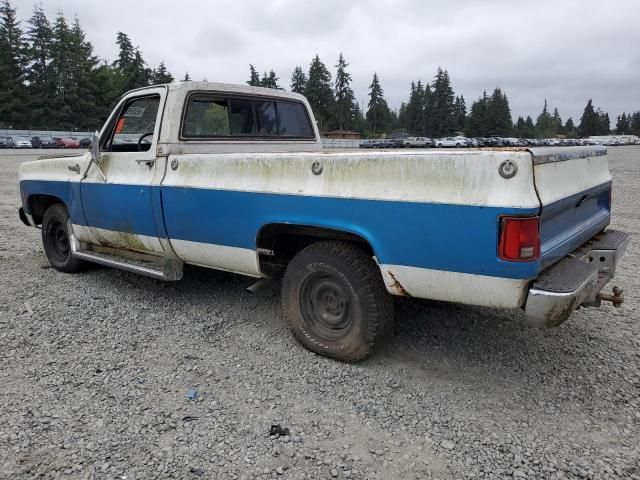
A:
{"points": [[227, 88]]}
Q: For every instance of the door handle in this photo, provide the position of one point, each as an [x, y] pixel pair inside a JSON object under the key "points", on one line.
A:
{"points": [[74, 168], [149, 163]]}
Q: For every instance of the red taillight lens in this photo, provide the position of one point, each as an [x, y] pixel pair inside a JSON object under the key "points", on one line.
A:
{"points": [[519, 239]]}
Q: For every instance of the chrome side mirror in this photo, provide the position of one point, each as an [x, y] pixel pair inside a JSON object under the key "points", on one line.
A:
{"points": [[95, 148]]}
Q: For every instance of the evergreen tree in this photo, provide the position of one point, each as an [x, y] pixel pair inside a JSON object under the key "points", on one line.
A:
{"points": [[378, 113], [319, 94], [82, 93], [499, 121], [270, 81], [39, 76], [254, 77], [126, 52], [589, 123], [460, 113], [186, 78], [544, 123], [443, 112], [477, 125], [344, 97], [557, 122], [161, 75], [13, 60], [570, 128], [298, 80]]}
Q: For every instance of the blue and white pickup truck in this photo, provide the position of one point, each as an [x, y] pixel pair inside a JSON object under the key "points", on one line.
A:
{"points": [[235, 178]]}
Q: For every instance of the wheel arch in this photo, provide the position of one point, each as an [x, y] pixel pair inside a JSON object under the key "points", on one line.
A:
{"points": [[279, 241], [38, 203]]}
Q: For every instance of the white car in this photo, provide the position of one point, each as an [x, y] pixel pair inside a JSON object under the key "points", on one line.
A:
{"points": [[450, 142]]}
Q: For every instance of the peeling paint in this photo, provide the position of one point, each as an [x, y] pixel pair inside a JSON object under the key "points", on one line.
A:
{"points": [[397, 286]]}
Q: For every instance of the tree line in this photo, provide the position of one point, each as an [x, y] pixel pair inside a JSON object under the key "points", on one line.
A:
{"points": [[51, 78]]}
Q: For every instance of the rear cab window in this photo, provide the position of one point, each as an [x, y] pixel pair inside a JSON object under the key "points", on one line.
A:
{"points": [[210, 116]]}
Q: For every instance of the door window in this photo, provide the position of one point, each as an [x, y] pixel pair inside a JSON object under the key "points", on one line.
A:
{"points": [[134, 129]]}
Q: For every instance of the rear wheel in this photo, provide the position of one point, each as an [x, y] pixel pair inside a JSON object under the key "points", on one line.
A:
{"points": [[335, 301], [55, 239]]}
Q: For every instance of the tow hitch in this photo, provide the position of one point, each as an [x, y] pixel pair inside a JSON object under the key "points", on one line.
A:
{"points": [[616, 298]]}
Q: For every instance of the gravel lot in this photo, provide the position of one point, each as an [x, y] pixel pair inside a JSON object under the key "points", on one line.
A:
{"points": [[97, 369]]}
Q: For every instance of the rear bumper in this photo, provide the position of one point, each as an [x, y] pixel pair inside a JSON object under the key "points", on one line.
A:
{"points": [[576, 280]]}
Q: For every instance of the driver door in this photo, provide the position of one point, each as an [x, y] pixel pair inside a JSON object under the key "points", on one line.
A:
{"points": [[116, 194]]}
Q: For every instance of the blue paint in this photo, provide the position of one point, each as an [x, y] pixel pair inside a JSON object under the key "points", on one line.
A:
{"points": [[570, 222], [456, 238]]}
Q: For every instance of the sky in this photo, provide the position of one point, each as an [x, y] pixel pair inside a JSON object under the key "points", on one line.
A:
{"points": [[565, 51]]}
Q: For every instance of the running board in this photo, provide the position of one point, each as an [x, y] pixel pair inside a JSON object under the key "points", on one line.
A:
{"points": [[165, 269]]}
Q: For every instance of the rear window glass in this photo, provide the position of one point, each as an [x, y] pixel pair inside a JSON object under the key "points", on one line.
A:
{"points": [[207, 117], [293, 120], [214, 116]]}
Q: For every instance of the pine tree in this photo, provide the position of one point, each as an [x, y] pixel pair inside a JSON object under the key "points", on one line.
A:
{"points": [[557, 122], [460, 113], [125, 54], [378, 113], [186, 78], [298, 80], [499, 121], [344, 97], [161, 75], [589, 121], [254, 77], [544, 123], [477, 125], [270, 80], [319, 93], [569, 127], [13, 60], [39, 76], [443, 113], [82, 93]]}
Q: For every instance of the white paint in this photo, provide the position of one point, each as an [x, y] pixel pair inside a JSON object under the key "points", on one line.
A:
{"points": [[456, 287], [54, 169], [457, 177], [220, 257], [558, 180]]}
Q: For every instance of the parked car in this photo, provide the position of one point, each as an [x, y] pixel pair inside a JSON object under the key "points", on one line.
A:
{"points": [[502, 229], [22, 142], [385, 143], [371, 143], [449, 142], [42, 142], [4, 142], [62, 142], [418, 142]]}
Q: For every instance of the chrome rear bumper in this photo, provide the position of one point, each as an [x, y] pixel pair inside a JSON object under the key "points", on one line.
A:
{"points": [[576, 280]]}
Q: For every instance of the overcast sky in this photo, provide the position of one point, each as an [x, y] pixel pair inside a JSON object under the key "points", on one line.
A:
{"points": [[566, 51]]}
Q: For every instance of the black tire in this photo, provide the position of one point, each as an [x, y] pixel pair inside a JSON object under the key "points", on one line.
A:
{"points": [[335, 301], [55, 239]]}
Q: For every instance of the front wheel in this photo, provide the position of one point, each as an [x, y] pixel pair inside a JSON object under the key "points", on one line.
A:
{"points": [[335, 301], [55, 239]]}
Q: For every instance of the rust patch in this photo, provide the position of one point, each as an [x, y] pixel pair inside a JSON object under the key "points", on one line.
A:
{"points": [[397, 286]]}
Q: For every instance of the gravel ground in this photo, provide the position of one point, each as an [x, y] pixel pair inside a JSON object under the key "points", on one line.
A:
{"points": [[97, 370]]}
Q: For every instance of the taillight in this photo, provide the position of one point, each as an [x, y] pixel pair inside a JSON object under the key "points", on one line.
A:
{"points": [[519, 239]]}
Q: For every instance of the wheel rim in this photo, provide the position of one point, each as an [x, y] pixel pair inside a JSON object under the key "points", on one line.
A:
{"points": [[326, 306], [59, 239]]}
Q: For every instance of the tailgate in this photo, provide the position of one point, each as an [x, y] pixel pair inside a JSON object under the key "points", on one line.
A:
{"points": [[574, 185]]}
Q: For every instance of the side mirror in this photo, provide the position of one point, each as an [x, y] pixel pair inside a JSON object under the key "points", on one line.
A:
{"points": [[95, 148]]}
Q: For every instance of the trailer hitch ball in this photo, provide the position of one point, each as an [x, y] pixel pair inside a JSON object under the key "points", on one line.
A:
{"points": [[616, 299]]}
